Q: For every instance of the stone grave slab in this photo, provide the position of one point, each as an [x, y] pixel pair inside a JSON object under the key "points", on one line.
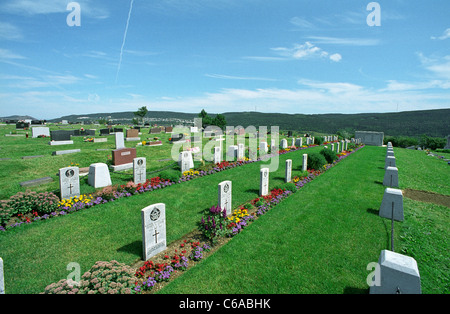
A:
{"points": [[99, 175], [69, 182], [153, 230], [225, 196]]}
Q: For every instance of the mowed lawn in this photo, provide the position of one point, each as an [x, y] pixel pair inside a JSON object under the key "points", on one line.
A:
{"points": [[321, 239]]}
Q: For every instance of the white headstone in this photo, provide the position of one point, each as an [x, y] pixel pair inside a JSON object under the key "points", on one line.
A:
{"points": [[69, 182], [337, 147], [99, 175], [389, 162], [139, 170], [153, 230], [392, 203], [224, 200], [185, 161], [332, 147], [120, 143], [2, 278], [396, 273], [217, 155], [283, 144], [299, 142], [263, 148], [288, 171], [293, 141], [40, 130], [305, 162], [240, 152], [264, 182], [391, 177]]}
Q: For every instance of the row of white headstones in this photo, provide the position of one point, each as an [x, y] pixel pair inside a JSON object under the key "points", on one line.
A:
{"points": [[394, 273]]}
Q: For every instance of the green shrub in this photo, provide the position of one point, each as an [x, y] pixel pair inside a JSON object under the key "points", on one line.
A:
{"points": [[329, 155], [316, 161], [172, 175], [290, 187], [318, 140]]}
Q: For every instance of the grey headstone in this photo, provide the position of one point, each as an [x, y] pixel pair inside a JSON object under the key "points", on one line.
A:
{"points": [[35, 182], [397, 273], [65, 152], [139, 170], [389, 162], [232, 152], [263, 148], [240, 151], [391, 177], [153, 230], [392, 201], [283, 144], [69, 182], [225, 196]]}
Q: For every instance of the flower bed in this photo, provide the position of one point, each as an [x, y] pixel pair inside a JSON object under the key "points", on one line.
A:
{"points": [[112, 193]]}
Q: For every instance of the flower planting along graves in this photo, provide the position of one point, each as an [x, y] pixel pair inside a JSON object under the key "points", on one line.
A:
{"points": [[305, 162], [391, 177], [69, 182], [153, 230], [139, 170], [99, 176], [60, 137], [225, 196], [264, 182], [395, 274], [288, 171]]}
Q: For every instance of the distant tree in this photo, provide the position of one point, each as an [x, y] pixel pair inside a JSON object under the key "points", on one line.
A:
{"points": [[220, 121], [102, 121], [141, 113], [206, 119]]}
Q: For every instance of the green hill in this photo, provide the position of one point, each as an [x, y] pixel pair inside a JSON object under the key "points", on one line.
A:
{"points": [[409, 123]]}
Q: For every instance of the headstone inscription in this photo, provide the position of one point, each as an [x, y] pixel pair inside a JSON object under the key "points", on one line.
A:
{"points": [[139, 170], [224, 200], [153, 230], [69, 182]]}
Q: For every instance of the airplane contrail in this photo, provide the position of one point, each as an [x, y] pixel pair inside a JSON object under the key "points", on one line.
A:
{"points": [[124, 39]]}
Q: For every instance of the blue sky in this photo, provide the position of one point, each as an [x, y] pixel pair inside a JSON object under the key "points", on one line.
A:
{"points": [[285, 56]]}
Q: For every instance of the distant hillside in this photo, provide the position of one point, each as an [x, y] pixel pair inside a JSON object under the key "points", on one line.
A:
{"points": [[16, 117], [409, 123]]}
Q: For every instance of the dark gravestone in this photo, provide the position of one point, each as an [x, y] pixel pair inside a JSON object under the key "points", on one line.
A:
{"points": [[104, 132], [176, 138], [60, 135], [89, 132], [118, 130]]}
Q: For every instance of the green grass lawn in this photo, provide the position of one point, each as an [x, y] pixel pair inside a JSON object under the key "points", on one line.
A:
{"points": [[319, 240]]}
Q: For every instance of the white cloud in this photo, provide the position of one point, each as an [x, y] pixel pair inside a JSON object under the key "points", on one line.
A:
{"points": [[444, 36], [231, 77], [8, 55], [305, 51], [301, 22], [9, 31], [344, 41], [336, 57]]}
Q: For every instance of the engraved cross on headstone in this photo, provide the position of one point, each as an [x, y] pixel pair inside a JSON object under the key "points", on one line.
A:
{"points": [[156, 235]]}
